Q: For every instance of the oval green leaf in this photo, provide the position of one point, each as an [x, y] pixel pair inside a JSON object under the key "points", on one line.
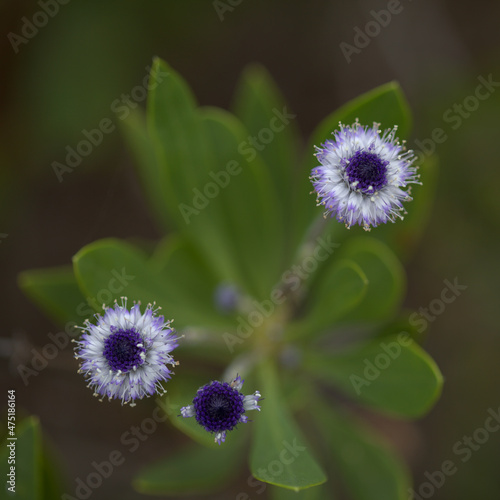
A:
{"points": [[55, 291], [385, 275], [393, 375], [109, 269], [280, 454], [386, 105]]}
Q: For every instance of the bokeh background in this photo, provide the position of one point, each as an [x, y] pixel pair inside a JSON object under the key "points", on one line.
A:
{"points": [[65, 78]]}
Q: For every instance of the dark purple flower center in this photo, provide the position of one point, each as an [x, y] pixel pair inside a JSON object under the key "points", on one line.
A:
{"points": [[218, 407], [122, 350], [366, 172]]}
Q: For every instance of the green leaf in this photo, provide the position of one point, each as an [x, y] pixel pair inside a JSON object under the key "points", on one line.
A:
{"points": [[28, 461], [193, 470], [53, 483], [338, 290], [369, 469], [176, 133], [386, 279], [179, 172], [314, 493], [280, 454], [393, 375], [55, 291], [143, 148], [185, 272], [260, 106], [385, 104], [37, 470], [108, 269], [402, 323], [251, 213]]}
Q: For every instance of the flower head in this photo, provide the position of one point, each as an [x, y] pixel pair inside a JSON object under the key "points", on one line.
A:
{"points": [[363, 175], [125, 354], [226, 298], [219, 407]]}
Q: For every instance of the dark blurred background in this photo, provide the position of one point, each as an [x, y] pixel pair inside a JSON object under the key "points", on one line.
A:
{"points": [[64, 78]]}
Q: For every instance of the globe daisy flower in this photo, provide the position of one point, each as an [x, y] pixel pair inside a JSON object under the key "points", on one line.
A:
{"points": [[363, 175], [125, 355], [219, 407]]}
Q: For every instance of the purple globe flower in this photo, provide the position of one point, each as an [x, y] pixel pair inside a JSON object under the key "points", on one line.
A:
{"points": [[363, 175], [219, 407], [125, 355]]}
